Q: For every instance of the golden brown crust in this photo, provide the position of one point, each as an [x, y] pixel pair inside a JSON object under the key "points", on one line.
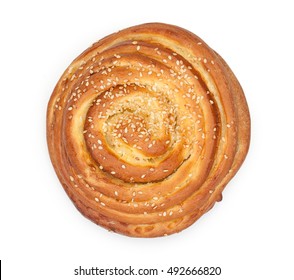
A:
{"points": [[145, 129]]}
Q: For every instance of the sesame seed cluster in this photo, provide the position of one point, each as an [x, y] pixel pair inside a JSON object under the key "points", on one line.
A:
{"points": [[145, 128]]}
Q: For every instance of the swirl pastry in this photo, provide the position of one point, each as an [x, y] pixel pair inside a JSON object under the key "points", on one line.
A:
{"points": [[145, 129]]}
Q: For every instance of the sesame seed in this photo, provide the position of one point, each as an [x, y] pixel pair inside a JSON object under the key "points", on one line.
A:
{"points": [[123, 166], [69, 108], [116, 193], [71, 178], [143, 176], [112, 172]]}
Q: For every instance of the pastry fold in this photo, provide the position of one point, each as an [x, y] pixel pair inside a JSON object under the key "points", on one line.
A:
{"points": [[145, 129]]}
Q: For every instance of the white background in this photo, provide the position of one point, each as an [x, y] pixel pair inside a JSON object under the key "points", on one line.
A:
{"points": [[249, 234]]}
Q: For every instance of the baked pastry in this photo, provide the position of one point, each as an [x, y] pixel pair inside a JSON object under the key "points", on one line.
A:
{"points": [[145, 129]]}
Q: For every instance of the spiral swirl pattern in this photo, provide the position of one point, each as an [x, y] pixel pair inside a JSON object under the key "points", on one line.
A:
{"points": [[145, 128]]}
